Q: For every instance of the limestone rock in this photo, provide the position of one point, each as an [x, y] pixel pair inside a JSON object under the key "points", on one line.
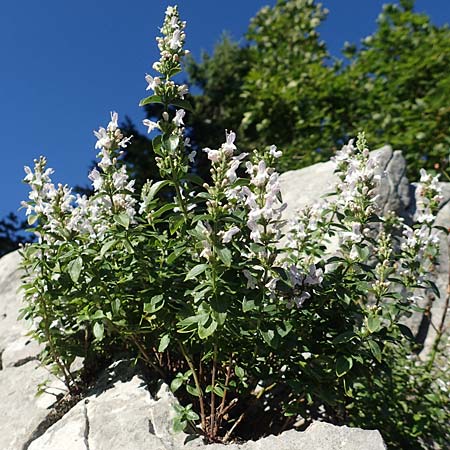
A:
{"points": [[22, 350], [308, 186], [21, 411], [119, 413], [10, 300]]}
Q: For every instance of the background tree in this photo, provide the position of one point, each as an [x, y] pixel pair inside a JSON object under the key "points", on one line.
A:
{"points": [[11, 229], [398, 86], [284, 88]]}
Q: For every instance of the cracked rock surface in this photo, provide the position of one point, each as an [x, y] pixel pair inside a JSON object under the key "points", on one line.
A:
{"points": [[121, 414]]}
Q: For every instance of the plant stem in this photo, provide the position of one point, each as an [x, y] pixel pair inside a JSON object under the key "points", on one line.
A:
{"points": [[230, 431], [222, 404], [213, 395], [197, 385]]}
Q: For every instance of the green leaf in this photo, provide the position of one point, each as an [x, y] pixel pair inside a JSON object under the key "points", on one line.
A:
{"points": [[156, 303], [151, 99], [191, 415], [115, 306], [218, 391], [196, 271], [373, 324], [98, 330], [175, 223], [268, 336], [179, 425], [225, 256], [375, 349], [204, 332], [105, 247], [122, 219], [406, 331], [74, 268], [155, 188], [175, 254], [176, 384], [31, 219], [343, 365], [192, 390], [248, 305], [171, 143], [99, 314], [239, 371], [344, 337], [163, 343], [182, 104], [163, 209], [434, 288]]}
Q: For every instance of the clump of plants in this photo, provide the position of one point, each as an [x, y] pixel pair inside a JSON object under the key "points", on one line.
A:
{"points": [[255, 324]]}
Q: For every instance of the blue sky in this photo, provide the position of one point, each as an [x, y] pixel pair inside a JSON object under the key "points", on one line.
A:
{"points": [[66, 65]]}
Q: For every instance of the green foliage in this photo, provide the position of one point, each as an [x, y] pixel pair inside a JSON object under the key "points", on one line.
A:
{"points": [[252, 322], [12, 234], [284, 88]]}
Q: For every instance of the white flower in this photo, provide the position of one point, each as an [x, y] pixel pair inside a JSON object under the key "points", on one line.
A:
{"points": [[178, 119], [231, 172], [251, 280], [96, 179], [113, 125], [274, 152], [229, 146], [191, 156], [213, 155], [105, 161], [103, 139], [227, 235], [175, 40], [261, 176], [150, 124], [153, 82], [182, 90], [170, 10]]}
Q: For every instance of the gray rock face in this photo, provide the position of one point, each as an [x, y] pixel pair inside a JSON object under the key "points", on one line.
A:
{"points": [[21, 411], [10, 300], [121, 414], [395, 193], [309, 185]]}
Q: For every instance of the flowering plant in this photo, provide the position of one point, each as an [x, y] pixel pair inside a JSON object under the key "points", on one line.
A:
{"points": [[250, 318]]}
